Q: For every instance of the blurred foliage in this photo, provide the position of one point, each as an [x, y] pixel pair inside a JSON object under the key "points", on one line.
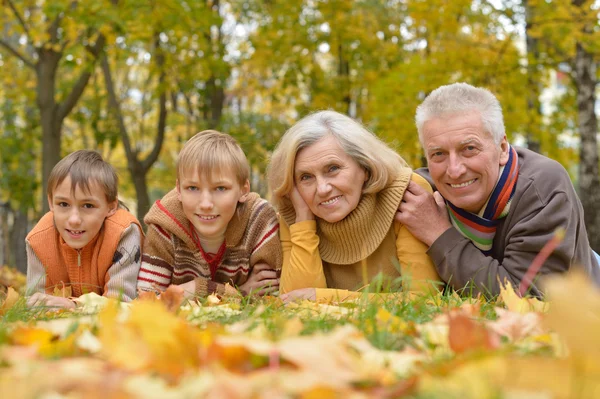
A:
{"points": [[253, 67]]}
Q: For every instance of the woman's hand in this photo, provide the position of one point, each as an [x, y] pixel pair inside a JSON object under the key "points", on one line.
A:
{"points": [[299, 294], [41, 299], [303, 212], [261, 281]]}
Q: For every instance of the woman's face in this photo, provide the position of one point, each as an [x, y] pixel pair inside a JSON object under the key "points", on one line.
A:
{"points": [[328, 179]]}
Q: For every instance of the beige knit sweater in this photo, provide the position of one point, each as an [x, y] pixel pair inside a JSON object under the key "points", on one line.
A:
{"points": [[340, 257]]}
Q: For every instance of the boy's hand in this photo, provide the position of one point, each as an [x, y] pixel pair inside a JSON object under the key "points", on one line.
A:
{"points": [[41, 299], [302, 210], [299, 294], [261, 281], [189, 289]]}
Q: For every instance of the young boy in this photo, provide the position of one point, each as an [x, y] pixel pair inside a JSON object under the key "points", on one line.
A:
{"points": [[211, 230], [85, 242]]}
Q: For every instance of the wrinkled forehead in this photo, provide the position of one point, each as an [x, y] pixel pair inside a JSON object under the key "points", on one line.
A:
{"points": [[456, 126]]}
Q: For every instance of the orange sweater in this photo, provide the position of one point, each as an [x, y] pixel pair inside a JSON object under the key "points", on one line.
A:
{"points": [[85, 270]]}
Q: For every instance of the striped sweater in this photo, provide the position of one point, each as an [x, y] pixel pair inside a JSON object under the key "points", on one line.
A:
{"points": [[171, 255]]}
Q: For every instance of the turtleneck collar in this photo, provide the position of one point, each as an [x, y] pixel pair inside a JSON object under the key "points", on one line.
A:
{"points": [[360, 233]]}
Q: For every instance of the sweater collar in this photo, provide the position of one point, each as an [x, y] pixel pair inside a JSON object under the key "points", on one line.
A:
{"points": [[360, 233], [70, 252]]}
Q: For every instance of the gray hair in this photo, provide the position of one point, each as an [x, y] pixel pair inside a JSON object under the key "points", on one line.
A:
{"points": [[381, 163], [459, 98]]}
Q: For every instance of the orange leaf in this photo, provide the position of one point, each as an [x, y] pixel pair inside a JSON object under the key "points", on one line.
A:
{"points": [[146, 296], [172, 297], [466, 334]]}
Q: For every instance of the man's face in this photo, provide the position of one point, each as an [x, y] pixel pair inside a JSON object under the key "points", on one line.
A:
{"points": [[463, 159]]}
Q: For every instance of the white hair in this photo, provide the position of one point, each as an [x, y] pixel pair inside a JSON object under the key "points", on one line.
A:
{"points": [[460, 98]]}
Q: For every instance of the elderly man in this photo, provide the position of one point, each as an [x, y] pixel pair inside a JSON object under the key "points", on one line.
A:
{"points": [[497, 205]]}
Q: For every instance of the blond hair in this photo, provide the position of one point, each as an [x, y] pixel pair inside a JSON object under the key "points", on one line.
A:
{"points": [[211, 152], [381, 163], [85, 167]]}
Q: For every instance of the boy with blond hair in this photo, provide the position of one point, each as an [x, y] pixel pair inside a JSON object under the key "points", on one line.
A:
{"points": [[210, 234], [86, 242]]}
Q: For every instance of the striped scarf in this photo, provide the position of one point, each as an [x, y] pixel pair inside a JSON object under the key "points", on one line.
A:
{"points": [[480, 228]]}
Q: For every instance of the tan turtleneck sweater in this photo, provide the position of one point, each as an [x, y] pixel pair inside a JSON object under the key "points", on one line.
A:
{"points": [[340, 258]]}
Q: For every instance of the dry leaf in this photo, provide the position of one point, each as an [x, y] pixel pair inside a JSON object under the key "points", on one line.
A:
{"points": [[62, 290], [172, 297], [465, 334], [515, 303], [11, 298], [516, 326]]}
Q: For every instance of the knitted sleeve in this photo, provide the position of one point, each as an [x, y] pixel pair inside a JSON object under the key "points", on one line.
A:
{"points": [[417, 269], [302, 265], [205, 287], [36, 273], [121, 279], [156, 270], [265, 243]]}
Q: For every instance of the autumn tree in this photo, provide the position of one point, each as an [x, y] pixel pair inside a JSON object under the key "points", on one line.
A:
{"points": [[55, 36], [568, 35]]}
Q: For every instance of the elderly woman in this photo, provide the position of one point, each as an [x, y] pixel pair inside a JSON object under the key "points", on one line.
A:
{"points": [[337, 188]]}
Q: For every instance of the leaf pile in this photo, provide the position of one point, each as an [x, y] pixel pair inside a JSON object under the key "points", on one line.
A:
{"points": [[441, 346]]}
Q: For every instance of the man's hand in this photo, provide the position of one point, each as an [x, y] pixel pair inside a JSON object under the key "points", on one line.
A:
{"points": [[261, 281], [423, 214], [302, 210], [299, 294], [41, 299]]}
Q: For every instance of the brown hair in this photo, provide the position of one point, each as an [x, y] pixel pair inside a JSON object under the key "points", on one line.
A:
{"points": [[85, 167], [211, 151]]}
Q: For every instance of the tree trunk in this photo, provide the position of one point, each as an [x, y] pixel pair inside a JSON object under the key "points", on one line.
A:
{"points": [[17, 238], [141, 190], [51, 127], [534, 112], [589, 182]]}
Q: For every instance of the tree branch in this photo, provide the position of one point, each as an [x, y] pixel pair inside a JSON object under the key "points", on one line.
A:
{"points": [[162, 114], [65, 107], [113, 103], [19, 17], [17, 54]]}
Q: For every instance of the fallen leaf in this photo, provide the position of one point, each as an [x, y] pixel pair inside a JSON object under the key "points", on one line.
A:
{"points": [[11, 298], [516, 303], [516, 326], [465, 334], [172, 297]]}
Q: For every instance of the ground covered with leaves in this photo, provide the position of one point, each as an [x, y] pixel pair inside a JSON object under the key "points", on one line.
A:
{"points": [[435, 347]]}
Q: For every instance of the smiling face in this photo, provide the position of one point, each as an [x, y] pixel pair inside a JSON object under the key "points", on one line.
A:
{"points": [[463, 159], [79, 215], [209, 203], [328, 179]]}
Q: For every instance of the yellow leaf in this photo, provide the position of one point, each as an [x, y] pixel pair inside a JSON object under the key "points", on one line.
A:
{"points": [[575, 315], [517, 304], [12, 297], [151, 339], [63, 291]]}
